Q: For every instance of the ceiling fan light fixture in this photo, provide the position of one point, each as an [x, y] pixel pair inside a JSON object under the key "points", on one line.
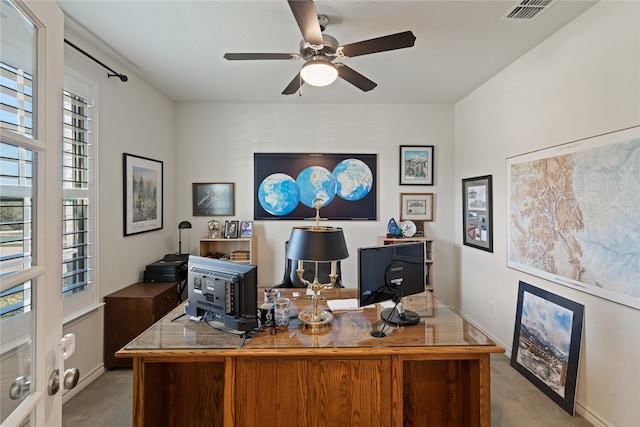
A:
{"points": [[319, 72]]}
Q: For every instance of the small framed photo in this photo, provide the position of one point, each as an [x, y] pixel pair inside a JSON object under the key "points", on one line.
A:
{"points": [[213, 199], [246, 229], [231, 229], [416, 165], [477, 213], [416, 206]]}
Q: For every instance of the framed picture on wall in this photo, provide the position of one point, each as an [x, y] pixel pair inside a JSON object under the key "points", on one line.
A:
{"points": [[213, 199], [416, 206], [289, 186], [477, 213], [416, 164], [142, 178]]}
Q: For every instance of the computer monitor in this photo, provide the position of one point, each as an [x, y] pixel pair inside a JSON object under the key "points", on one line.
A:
{"points": [[223, 291], [391, 272]]}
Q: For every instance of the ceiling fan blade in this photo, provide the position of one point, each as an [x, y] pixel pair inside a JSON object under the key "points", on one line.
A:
{"points": [[355, 78], [380, 44], [307, 18], [293, 87], [249, 56]]}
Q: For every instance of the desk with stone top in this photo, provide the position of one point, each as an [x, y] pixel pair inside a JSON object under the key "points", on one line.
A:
{"points": [[436, 373]]}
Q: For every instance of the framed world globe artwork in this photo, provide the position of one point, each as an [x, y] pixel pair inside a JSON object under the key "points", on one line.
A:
{"points": [[291, 185]]}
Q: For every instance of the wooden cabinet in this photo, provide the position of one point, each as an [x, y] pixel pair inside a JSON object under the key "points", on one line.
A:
{"points": [[429, 247], [130, 311], [238, 250]]}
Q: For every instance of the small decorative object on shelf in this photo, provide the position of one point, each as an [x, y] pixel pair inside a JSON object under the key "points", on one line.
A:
{"points": [[408, 228], [214, 229], [393, 230], [231, 229]]}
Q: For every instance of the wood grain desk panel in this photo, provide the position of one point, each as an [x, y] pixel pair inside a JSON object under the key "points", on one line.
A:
{"points": [[432, 374]]}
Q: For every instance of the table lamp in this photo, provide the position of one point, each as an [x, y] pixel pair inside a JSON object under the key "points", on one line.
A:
{"points": [[317, 244], [181, 226]]}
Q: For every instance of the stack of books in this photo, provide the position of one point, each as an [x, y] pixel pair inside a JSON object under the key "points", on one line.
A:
{"points": [[240, 255]]}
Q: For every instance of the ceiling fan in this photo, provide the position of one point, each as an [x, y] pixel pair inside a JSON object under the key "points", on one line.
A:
{"points": [[319, 51]]}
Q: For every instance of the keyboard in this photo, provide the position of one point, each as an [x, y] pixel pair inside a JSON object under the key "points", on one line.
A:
{"points": [[176, 258]]}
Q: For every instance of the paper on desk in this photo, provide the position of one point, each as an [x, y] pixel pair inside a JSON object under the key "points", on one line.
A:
{"points": [[343, 304]]}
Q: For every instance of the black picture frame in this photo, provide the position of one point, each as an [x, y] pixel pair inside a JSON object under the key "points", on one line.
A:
{"points": [[213, 198], [416, 164], [546, 343], [142, 194], [477, 212], [289, 166], [231, 229]]}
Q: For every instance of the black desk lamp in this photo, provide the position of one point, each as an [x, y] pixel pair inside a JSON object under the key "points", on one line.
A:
{"points": [[316, 244], [181, 226]]}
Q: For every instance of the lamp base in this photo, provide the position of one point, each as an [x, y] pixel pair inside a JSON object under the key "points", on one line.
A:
{"points": [[315, 322]]}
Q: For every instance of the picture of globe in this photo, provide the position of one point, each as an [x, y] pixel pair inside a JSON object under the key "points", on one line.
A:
{"points": [[278, 194], [354, 179], [316, 182]]}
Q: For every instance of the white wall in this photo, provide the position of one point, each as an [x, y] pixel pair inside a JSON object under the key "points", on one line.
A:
{"points": [[217, 142], [582, 81], [133, 118]]}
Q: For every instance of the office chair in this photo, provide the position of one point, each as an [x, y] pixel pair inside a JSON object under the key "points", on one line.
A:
{"points": [[291, 279]]}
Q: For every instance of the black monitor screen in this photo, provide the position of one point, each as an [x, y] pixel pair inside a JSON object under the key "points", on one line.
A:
{"points": [[223, 291], [389, 271]]}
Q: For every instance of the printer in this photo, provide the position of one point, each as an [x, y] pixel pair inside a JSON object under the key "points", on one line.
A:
{"points": [[167, 270]]}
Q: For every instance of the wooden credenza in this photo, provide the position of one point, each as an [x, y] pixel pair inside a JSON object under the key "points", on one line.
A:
{"points": [[436, 373], [131, 310]]}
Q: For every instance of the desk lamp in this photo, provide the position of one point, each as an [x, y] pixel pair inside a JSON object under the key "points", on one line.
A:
{"points": [[316, 244], [181, 226]]}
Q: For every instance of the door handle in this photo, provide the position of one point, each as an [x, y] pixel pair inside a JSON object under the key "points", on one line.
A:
{"points": [[66, 347], [19, 387]]}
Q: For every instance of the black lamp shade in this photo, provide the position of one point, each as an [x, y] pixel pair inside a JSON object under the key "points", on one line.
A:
{"points": [[317, 244], [184, 224]]}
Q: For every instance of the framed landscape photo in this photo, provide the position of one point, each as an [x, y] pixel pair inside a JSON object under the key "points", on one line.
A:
{"points": [[213, 199], [546, 343], [416, 206], [142, 179], [477, 213], [416, 164]]}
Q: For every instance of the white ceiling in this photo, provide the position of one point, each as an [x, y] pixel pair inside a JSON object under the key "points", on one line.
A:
{"points": [[178, 46]]}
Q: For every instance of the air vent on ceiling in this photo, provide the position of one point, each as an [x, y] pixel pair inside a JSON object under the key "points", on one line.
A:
{"points": [[527, 10]]}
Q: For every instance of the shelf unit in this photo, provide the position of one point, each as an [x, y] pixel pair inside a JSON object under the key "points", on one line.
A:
{"points": [[430, 252], [242, 250]]}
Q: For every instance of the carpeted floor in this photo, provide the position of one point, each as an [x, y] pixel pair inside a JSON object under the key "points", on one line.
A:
{"points": [[515, 402]]}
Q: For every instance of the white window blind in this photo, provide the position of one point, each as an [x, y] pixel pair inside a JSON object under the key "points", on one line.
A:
{"points": [[76, 206]]}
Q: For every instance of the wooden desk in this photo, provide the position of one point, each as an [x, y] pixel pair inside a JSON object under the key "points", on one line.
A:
{"points": [[436, 373]]}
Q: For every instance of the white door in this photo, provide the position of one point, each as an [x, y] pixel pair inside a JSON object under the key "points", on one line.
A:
{"points": [[31, 196]]}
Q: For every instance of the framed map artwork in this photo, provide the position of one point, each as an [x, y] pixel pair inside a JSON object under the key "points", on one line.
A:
{"points": [[290, 185], [573, 215]]}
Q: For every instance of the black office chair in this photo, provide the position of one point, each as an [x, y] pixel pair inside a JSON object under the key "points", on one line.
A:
{"points": [[291, 279]]}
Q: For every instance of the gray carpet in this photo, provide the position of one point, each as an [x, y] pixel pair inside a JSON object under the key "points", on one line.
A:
{"points": [[515, 402]]}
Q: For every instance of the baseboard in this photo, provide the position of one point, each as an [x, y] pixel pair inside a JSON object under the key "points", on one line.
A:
{"points": [[85, 380], [590, 416]]}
